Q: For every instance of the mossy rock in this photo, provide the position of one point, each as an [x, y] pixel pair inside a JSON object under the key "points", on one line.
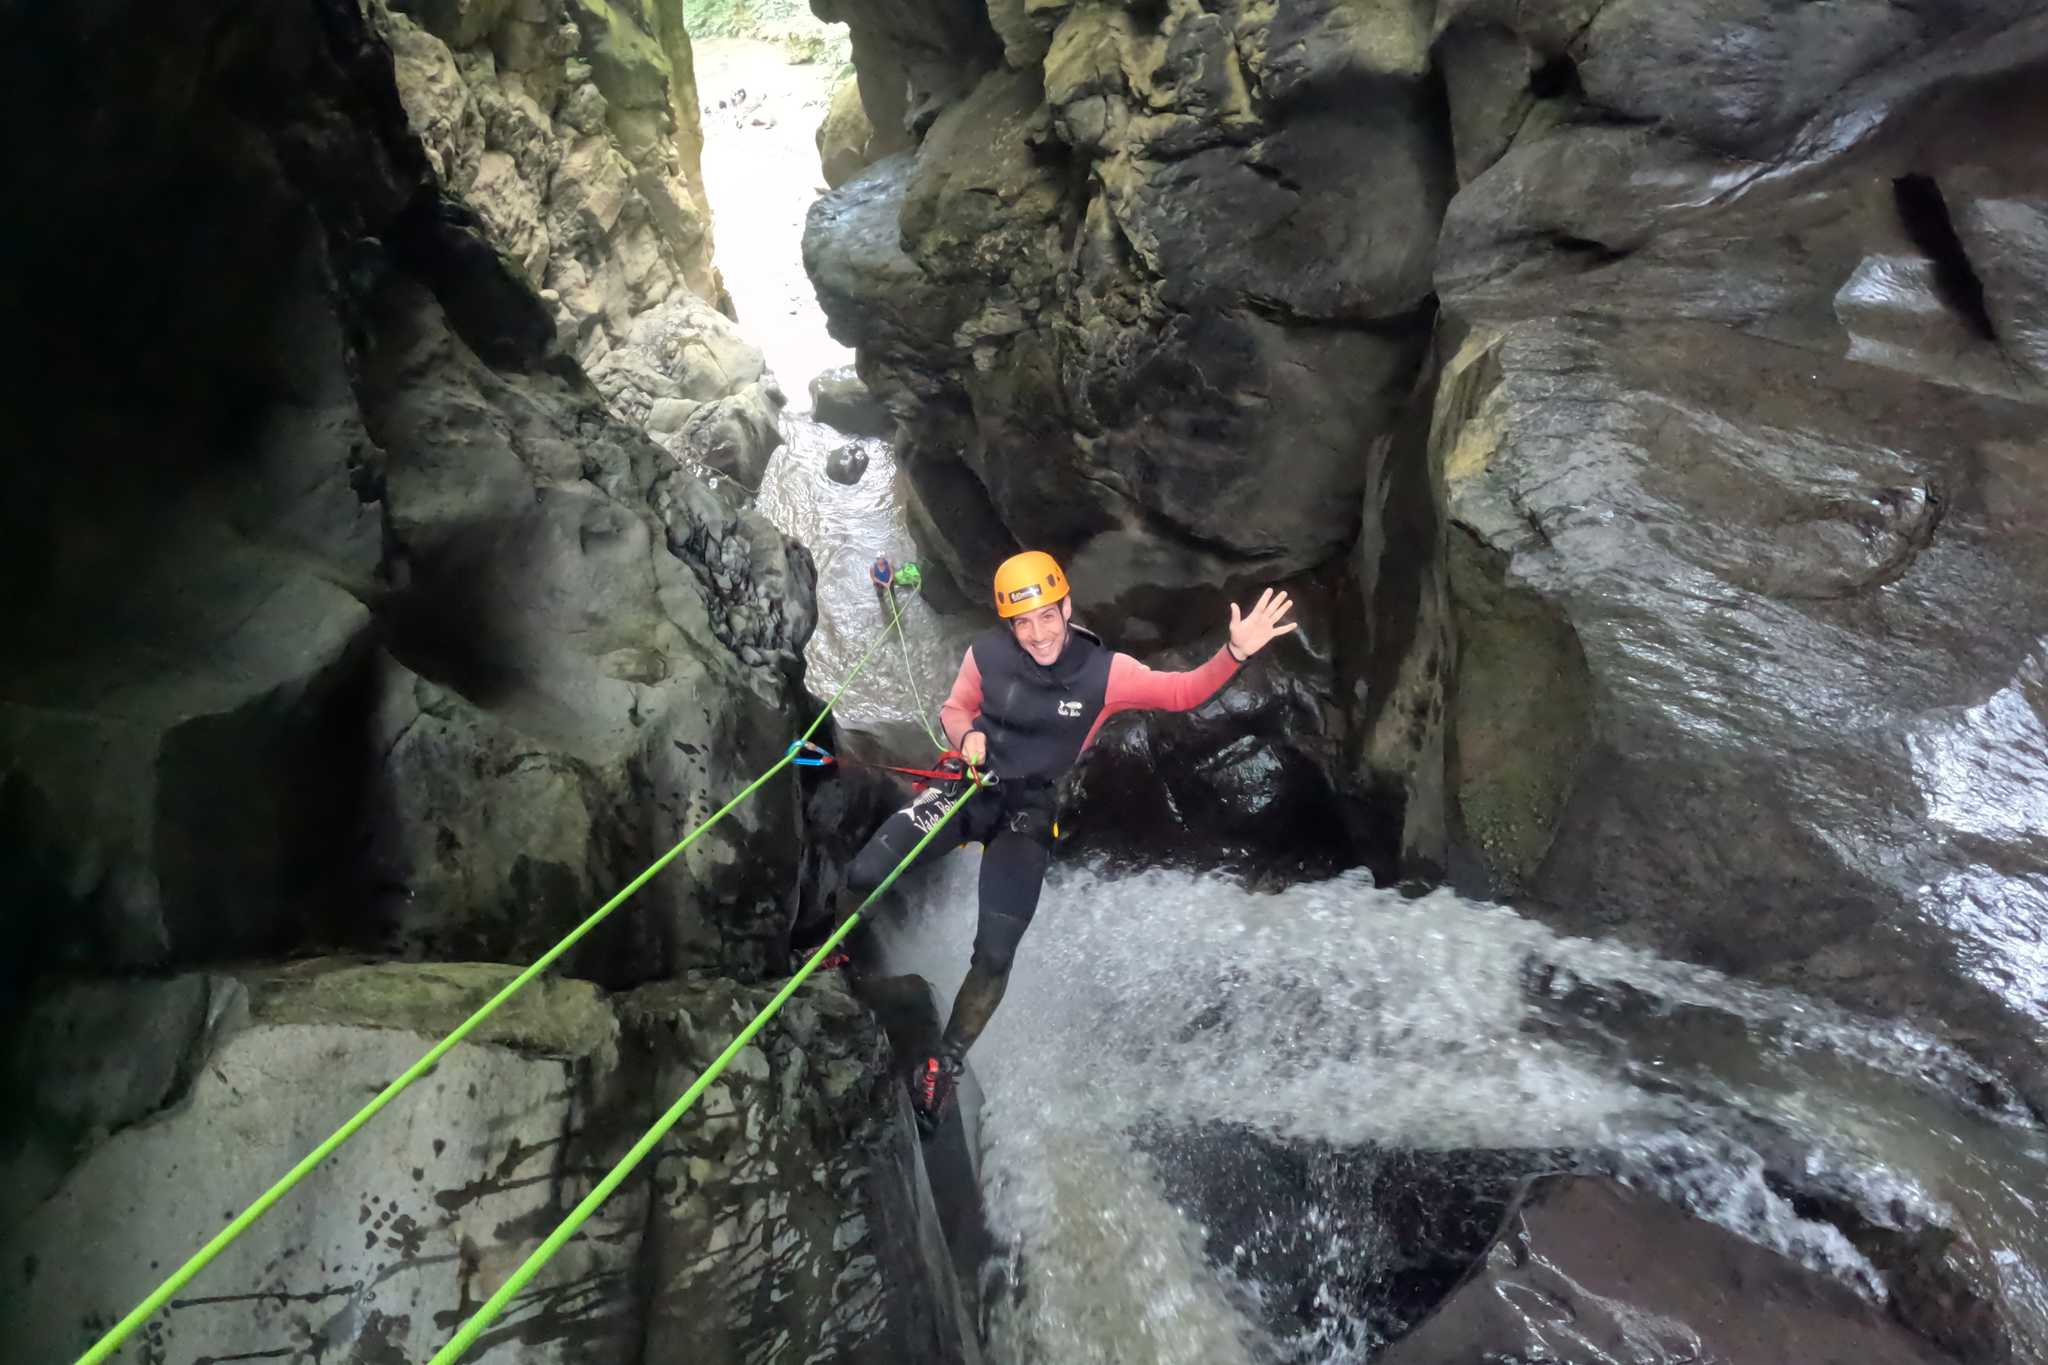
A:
{"points": [[550, 1016], [630, 66], [1521, 714]]}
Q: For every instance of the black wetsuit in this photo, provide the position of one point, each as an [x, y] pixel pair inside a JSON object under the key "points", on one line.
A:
{"points": [[1037, 720]]}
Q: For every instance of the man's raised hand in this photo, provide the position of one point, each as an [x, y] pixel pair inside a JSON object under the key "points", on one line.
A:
{"points": [[1265, 622]]}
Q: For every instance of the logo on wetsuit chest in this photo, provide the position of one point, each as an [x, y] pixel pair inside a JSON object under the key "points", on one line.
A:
{"points": [[1070, 708]]}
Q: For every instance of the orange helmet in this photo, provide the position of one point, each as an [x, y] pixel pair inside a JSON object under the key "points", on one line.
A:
{"points": [[1027, 582]]}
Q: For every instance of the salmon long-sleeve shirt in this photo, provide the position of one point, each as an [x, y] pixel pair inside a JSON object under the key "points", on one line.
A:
{"points": [[1039, 719]]}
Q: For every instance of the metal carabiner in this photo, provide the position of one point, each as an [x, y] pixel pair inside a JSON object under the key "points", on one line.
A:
{"points": [[822, 758]]}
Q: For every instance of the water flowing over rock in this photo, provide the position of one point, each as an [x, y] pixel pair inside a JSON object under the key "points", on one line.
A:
{"points": [[1282, 1127], [1663, 382]]}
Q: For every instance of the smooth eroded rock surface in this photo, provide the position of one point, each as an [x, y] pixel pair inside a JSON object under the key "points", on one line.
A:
{"points": [[1589, 1271], [786, 1209], [350, 617]]}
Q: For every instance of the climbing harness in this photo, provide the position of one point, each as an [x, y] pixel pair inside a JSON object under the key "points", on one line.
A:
{"points": [[560, 1237], [802, 753], [952, 766]]}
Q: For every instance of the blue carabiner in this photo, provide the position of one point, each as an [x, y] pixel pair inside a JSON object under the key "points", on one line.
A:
{"points": [[807, 747]]}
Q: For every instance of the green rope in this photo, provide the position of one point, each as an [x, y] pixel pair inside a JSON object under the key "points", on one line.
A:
{"points": [[560, 1237], [200, 1259], [910, 672]]}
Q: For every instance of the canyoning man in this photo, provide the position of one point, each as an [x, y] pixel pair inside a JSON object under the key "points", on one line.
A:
{"points": [[1031, 695]]}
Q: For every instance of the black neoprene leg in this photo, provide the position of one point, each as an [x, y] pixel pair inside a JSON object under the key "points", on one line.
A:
{"points": [[1012, 874], [900, 833]]}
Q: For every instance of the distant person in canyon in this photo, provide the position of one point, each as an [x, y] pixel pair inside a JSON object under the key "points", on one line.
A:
{"points": [[1031, 695]]}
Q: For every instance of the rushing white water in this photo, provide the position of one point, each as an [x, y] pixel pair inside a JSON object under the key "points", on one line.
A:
{"points": [[1350, 1016]]}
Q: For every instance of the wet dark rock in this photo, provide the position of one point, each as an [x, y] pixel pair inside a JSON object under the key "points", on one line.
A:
{"points": [[846, 464], [913, 58], [1055, 291], [1244, 783], [840, 398], [1781, 609], [843, 806], [1352, 1247], [803, 1176], [910, 1014], [1584, 1270]]}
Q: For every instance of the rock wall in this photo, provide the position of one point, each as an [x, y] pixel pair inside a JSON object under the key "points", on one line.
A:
{"points": [[347, 615], [344, 616], [1643, 398], [785, 1215], [570, 128], [1745, 522], [1059, 276]]}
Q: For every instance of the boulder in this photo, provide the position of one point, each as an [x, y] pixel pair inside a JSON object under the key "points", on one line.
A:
{"points": [[733, 436], [841, 398], [387, 1246], [683, 349], [1587, 1270], [788, 1207], [846, 464], [846, 140]]}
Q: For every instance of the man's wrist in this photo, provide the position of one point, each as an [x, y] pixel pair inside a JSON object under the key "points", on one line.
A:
{"points": [[1230, 648]]}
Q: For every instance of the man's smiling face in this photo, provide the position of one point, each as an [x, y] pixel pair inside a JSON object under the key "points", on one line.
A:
{"points": [[1043, 633]]}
